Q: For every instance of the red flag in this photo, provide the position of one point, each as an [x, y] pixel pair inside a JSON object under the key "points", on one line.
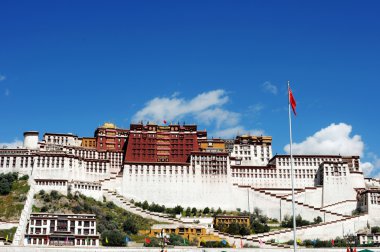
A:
{"points": [[147, 240], [292, 101], [332, 242]]}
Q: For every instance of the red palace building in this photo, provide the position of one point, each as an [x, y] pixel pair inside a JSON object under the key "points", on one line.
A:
{"points": [[109, 137], [150, 143], [154, 143]]}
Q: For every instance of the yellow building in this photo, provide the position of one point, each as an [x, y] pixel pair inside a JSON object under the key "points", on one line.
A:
{"points": [[217, 145], [229, 219], [187, 232], [88, 142]]}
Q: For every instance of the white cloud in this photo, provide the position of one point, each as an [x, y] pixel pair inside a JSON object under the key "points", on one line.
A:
{"points": [[206, 108], [332, 140], [367, 168], [373, 165], [174, 108], [220, 116], [7, 92], [234, 131], [2, 77], [256, 108], [11, 145], [270, 88]]}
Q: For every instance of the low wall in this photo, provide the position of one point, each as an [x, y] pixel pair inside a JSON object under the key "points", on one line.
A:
{"points": [[342, 208], [8, 225], [325, 232], [190, 249]]}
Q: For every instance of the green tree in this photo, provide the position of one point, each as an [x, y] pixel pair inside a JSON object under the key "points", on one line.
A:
{"points": [[233, 228], [259, 227], [114, 238], [375, 229], [188, 212], [145, 205], [177, 210], [194, 211], [177, 240], [25, 177], [154, 242], [129, 226], [206, 210], [54, 195], [244, 230], [288, 221], [218, 211], [5, 186], [317, 220]]}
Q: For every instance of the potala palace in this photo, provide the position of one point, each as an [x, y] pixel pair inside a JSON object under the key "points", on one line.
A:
{"points": [[178, 165]]}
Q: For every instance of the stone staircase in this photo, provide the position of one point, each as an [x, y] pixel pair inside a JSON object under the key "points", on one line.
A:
{"points": [[18, 238], [338, 203], [113, 182], [274, 234], [285, 198], [300, 191], [124, 203]]}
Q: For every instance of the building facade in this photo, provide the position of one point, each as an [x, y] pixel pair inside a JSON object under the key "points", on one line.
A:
{"points": [[177, 165], [46, 229]]}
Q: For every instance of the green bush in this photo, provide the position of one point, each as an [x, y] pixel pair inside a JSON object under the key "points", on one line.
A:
{"points": [[234, 229], [317, 220], [288, 221], [177, 240], [55, 195], [6, 181], [194, 211], [177, 210], [188, 212], [206, 210], [259, 227], [24, 177], [130, 227], [375, 229], [5, 186], [145, 205], [110, 205], [112, 238], [154, 242], [214, 244], [156, 208], [11, 176]]}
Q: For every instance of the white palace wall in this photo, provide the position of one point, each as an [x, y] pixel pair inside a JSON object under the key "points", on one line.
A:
{"points": [[345, 207], [182, 186], [341, 188], [198, 190], [312, 197]]}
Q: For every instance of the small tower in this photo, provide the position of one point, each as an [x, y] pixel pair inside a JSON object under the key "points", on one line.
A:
{"points": [[31, 139]]}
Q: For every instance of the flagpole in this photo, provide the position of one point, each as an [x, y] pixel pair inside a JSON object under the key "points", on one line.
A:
{"points": [[292, 174]]}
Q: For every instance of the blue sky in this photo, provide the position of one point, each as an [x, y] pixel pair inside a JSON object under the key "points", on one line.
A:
{"points": [[69, 66]]}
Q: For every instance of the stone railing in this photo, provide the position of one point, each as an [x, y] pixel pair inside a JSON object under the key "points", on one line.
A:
{"points": [[18, 238]]}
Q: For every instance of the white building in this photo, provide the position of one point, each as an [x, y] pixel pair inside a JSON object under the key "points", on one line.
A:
{"points": [[329, 186], [45, 229]]}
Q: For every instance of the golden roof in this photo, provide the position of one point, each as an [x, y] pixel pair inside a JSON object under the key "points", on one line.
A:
{"points": [[109, 125]]}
